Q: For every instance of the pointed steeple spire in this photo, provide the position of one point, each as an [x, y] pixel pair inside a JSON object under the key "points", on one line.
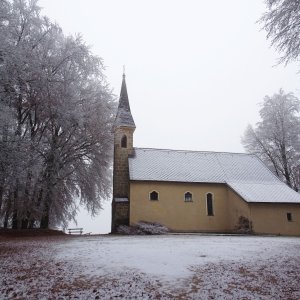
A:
{"points": [[124, 117]]}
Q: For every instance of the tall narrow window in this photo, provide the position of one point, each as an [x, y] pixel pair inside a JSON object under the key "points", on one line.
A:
{"points": [[188, 197], [209, 204], [289, 217], [154, 195], [124, 141]]}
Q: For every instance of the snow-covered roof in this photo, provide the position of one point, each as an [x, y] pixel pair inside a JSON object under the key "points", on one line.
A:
{"points": [[244, 173], [265, 192]]}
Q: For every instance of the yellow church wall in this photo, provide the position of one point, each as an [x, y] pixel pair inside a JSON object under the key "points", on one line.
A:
{"points": [[237, 207], [171, 209], [271, 218], [180, 216]]}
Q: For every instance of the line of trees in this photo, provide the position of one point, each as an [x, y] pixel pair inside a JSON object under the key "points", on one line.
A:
{"points": [[56, 113]]}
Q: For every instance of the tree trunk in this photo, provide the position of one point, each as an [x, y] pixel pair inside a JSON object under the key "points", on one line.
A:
{"points": [[45, 217], [285, 167], [1, 198], [49, 180], [31, 224], [15, 220], [24, 224], [7, 211], [6, 218]]}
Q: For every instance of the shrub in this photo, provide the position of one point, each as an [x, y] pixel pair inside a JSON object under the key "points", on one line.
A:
{"points": [[244, 225], [143, 228]]}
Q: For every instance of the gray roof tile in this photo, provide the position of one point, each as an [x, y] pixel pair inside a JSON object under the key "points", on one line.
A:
{"points": [[265, 192]]}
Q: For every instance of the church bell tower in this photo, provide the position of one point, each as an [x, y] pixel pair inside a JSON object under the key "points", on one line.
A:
{"points": [[123, 128]]}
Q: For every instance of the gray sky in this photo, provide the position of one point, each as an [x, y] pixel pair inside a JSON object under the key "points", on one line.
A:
{"points": [[195, 70]]}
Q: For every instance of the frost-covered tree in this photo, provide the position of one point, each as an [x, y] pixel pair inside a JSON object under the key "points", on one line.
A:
{"points": [[55, 121], [282, 23], [276, 138]]}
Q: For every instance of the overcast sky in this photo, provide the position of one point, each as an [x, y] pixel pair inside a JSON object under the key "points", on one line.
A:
{"points": [[195, 70]]}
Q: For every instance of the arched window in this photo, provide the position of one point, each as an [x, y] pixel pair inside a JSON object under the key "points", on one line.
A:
{"points": [[124, 141], [154, 195], [188, 197], [209, 204]]}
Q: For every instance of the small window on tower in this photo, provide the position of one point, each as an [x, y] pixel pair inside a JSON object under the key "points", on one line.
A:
{"points": [[154, 195], [124, 141], [188, 197], [289, 217]]}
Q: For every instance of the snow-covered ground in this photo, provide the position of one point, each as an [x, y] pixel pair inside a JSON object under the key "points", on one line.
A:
{"points": [[150, 267]]}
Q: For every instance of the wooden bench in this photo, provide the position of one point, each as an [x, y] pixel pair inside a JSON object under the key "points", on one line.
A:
{"points": [[75, 230]]}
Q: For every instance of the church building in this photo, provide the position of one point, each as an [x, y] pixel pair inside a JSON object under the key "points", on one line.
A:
{"points": [[196, 191]]}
